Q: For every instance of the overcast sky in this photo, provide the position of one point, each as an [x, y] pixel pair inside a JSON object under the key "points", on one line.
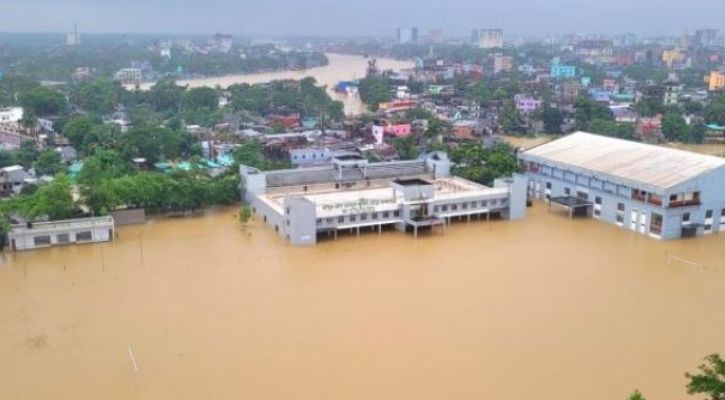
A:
{"points": [[362, 17]]}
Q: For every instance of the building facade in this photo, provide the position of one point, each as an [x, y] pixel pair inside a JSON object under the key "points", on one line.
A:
{"points": [[46, 234], [490, 38], [656, 191], [716, 80], [562, 71], [407, 35], [353, 195]]}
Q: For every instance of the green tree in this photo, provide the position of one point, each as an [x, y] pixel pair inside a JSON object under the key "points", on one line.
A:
{"points": [[552, 118], [7, 158], [480, 164], [715, 111], [165, 96], [710, 381], [53, 199], [373, 91], [27, 153], [200, 98], [406, 147], [621, 130], [77, 128], [675, 128], [245, 213], [49, 162], [697, 131], [42, 101], [586, 110], [636, 395]]}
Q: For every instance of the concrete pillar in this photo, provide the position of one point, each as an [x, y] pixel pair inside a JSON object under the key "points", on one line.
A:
{"points": [[415, 231], [358, 231], [380, 229]]}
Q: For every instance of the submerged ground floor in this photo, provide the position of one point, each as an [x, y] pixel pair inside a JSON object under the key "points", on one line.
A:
{"points": [[210, 310]]}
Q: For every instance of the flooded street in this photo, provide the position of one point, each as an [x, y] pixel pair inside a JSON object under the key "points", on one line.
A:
{"points": [[341, 67], [545, 308]]}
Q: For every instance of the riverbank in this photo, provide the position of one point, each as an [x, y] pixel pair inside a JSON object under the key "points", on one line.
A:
{"points": [[340, 67], [212, 310]]}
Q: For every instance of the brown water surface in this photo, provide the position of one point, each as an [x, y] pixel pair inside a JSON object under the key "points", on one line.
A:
{"points": [[545, 308]]}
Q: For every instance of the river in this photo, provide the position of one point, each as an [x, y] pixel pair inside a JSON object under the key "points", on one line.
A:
{"points": [[544, 308], [340, 67]]}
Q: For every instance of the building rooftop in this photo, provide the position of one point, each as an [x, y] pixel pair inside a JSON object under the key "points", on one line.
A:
{"points": [[657, 166], [412, 182]]}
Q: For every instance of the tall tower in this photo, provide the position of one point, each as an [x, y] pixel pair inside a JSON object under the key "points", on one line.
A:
{"points": [[73, 38]]}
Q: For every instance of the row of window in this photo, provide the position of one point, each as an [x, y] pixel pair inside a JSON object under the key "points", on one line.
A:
{"points": [[467, 205], [45, 240], [363, 217]]}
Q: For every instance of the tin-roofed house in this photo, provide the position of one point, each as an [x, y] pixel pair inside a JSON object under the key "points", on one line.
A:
{"points": [[657, 191]]}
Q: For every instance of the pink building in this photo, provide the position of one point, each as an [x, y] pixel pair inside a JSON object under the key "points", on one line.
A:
{"points": [[386, 128], [526, 104]]}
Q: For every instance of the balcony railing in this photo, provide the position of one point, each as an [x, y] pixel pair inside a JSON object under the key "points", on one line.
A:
{"points": [[684, 203]]}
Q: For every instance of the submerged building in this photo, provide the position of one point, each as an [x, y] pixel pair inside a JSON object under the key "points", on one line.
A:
{"points": [[57, 233], [353, 194], [657, 191]]}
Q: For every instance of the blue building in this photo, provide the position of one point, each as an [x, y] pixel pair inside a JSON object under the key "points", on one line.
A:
{"points": [[657, 191], [563, 71]]}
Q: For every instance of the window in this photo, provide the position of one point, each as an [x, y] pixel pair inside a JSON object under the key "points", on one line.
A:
{"points": [[598, 200], [620, 218], [363, 217], [386, 214], [567, 191], [353, 218], [287, 210], [722, 212], [685, 218], [548, 185], [655, 225], [396, 213], [435, 208], [319, 221], [63, 238], [484, 203], [464, 206], [42, 240], [673, 197], [84, 236], [374, 216], [454, 207], [474, 204], [620, 206], [445, 207], [708, 214]]}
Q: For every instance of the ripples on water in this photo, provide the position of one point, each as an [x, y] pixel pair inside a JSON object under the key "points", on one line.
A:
{"points": [[545, 308]]}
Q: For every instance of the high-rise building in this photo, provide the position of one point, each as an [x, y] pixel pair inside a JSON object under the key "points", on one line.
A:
{"points": [[407, 35], [73, 38], [490, 38], [705, 37]]}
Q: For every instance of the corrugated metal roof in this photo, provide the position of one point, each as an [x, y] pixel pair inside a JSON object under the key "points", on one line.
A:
{"points": [[649, 164]]}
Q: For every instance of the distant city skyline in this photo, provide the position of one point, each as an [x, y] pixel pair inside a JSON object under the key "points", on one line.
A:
{"points": [[363, 17]]}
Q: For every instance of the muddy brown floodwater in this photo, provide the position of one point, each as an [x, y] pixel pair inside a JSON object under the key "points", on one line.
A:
{"points": [[544, 308]]}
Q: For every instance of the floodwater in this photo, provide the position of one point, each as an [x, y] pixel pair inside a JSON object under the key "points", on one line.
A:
{"points": [[341, 67], [198, 308]]}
